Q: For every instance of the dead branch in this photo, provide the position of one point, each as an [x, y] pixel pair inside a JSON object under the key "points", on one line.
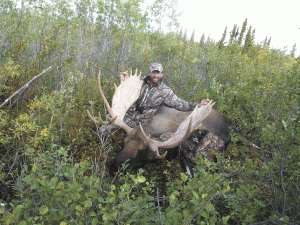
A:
{"points": [[24, 87], [159, 213], [206, 203]]}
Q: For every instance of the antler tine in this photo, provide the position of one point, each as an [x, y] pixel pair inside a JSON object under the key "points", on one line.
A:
{"points": [[152, 144], [130, 72], [103, 97], [144, 134], [100, 122], [112, 118], [136, 71]]}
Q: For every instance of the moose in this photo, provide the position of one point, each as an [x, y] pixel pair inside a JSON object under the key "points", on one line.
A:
{"points": [[168, 130]]}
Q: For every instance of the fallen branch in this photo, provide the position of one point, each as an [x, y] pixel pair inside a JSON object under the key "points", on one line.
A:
{"points": [[206, 203], [158, 200], [24, 87], [159, 213], [244, 140]]}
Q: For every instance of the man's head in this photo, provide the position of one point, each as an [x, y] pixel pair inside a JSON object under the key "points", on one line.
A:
{"points": [[155, 73]]}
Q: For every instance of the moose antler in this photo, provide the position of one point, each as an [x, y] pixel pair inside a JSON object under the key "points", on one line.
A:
{"points": [[125, 95], [184, 131]]}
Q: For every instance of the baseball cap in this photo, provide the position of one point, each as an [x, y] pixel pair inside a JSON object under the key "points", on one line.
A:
{"points": [[156, 67]]}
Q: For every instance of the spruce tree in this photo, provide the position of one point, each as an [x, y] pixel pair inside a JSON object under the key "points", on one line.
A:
{"points": [[253, 36], [202, 40], [269, 42], [221, 42], [193, 36], [233, 34], [242, 32], [248, 41], [265, 43], [293, 51]]}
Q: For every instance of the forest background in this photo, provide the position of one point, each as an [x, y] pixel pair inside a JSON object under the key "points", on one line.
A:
{"points": [[54, 162]]}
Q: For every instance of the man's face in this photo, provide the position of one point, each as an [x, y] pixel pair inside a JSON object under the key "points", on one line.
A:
{"points": [[155, 76]]}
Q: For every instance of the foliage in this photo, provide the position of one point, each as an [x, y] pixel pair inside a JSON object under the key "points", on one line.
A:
{"points": [[54, 161]]}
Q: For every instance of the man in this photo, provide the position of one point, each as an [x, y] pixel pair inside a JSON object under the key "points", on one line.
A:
{"points": [[154, 93]]}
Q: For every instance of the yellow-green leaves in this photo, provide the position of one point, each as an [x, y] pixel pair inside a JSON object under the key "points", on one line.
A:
{"points": [[43, 209], [141, 179]]}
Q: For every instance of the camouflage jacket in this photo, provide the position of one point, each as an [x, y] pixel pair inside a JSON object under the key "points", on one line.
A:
{"points": [[149, 101]]}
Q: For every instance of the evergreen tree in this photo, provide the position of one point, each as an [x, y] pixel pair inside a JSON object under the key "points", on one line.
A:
{"points": [[180, 32], [269, 42], [265, 43], [293, 51], [202, 40], [242, 32], [185, 35], [193, 36], [248, 41], [233, 34], [221, 42], [253, 35]]}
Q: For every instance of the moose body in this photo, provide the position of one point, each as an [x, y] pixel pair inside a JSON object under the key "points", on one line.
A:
{"points": [[164, 123], [168, 129]]}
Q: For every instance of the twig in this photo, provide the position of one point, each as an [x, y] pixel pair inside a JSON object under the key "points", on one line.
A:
{"points": [[196, 213], [159, 213], [24, 87], [244, 140], [67, 213], [160, 199], [13, 163]]}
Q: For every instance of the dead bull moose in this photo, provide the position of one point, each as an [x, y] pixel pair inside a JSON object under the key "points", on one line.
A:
{"points": [[142, 143]]}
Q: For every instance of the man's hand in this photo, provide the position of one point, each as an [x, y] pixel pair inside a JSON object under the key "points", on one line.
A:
{"points": [[204, 102], [123, 76]]}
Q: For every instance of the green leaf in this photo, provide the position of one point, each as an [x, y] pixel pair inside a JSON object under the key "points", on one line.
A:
{"points": [[43, 209], [27, 179], [76, 196], [95, 221], [18, 211], [94, 194], [105, 217], [60, 185], [34, 186], [78, 208], [54, 180], [92, 214], [225, 219], [141, 179], [184, 177], [204, 214], [88, 203], [216, 176], [196, 195], [8, 218], [27, 203], [204, 195], [286, 218]]}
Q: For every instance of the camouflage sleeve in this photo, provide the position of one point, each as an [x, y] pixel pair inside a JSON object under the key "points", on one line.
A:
{"points": [[173, 101]]}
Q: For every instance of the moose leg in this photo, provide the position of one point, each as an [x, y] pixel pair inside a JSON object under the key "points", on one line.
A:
{"points": [[185, 162]]}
